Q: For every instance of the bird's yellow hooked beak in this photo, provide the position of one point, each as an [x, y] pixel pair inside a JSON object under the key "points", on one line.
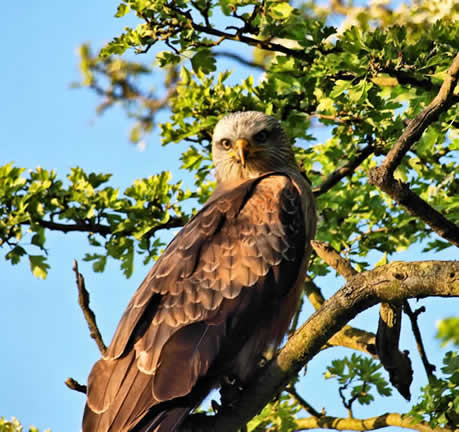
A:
{"points": [[241, 148]]}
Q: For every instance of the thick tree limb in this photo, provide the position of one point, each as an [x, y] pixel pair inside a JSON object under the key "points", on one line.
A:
{"points": [[83, 300], [383, 178], [348, 337], [373, 423], [390, 283]]}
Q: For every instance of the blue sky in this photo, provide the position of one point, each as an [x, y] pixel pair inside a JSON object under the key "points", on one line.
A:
{"points": [[44, 122]]}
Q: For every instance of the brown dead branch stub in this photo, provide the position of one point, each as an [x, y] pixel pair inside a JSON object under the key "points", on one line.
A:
{"points": [[75, 385], [90, 317]]}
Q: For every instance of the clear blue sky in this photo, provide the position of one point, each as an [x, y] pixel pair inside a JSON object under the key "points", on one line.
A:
{"points": [[43, 336]]}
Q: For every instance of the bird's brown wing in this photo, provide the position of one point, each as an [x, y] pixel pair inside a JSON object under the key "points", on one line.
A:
{"points": [[208, 293]]}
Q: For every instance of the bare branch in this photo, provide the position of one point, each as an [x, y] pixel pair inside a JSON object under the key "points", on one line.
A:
{"points": [[304, 404], [373, 423], [429, 367], [75, 385], [390, 283], [383, 178], [83, 300], [333, 259]]}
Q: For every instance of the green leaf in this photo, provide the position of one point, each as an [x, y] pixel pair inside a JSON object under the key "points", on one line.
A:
{"points": [[448, 331], [203, 61], [281, 11], [122, 10], [39, 266]]}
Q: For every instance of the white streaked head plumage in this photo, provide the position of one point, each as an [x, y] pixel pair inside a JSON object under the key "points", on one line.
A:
{"points": [[268, 144]]}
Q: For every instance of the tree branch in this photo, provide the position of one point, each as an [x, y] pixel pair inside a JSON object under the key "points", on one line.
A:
{"points": [[427, 116], [390, 283], [334, 259], [75, 385], [83, 300], [429, 367], [373, 423], [97, 228], [304, 404], [239, 59], [347, 169], [383, 178]]}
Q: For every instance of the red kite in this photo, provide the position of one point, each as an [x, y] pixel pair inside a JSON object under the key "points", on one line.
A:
{"points": [[223, 292]]}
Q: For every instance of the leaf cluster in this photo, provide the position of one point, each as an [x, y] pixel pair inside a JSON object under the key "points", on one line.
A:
{"points": [[439, 400], [29, 206], [357, 376], [14, 425]]}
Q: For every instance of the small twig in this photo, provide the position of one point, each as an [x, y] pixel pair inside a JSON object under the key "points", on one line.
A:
{"points": [[347, 169], [75, 385], [304, 404], [334, 259], [83, 300], [429, 367]]}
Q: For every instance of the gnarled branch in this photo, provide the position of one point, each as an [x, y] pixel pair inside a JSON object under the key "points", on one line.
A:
{"points": [[383, 178]]}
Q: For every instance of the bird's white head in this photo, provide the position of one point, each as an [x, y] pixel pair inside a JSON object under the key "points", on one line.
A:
{"points": [[248, 144]]}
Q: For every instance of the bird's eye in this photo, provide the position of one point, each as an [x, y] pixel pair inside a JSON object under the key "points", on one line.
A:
{"points": [[225, 143], [261, 136]]}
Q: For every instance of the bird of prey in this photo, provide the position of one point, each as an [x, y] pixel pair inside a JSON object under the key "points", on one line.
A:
{"points": [[223, 292]]}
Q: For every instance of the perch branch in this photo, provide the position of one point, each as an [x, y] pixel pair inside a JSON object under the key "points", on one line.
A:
{"points": [[383, 178], [83, 300], [391, 283]]}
